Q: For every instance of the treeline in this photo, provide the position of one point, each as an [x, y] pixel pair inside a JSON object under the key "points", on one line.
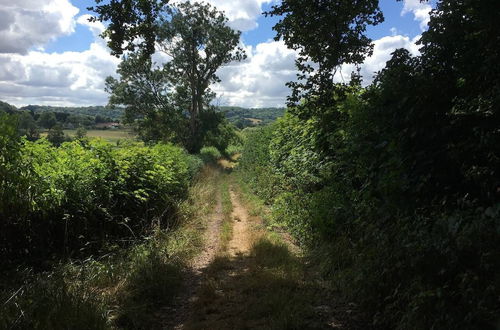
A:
{"points": [[110, 113], [245, 117], [90, 117], [70, 201], [395, 187], [31, 121]]}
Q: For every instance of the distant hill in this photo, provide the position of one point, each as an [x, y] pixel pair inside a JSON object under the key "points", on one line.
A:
{"points": [[114, 113], [239, 116], [5, 107], [245, 117]]}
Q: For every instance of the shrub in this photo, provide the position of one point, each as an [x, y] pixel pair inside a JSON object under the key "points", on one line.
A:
{"points": [[210, 154], [73, 199], [382, 211]]}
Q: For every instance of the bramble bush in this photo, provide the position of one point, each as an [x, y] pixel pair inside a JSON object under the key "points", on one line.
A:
{"points": [[78, 197], [380, 191]]}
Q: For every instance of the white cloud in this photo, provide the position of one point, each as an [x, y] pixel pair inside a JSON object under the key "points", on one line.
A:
{"points": [[420, 10], [77, 78], [242, 14], [25, 24], [260, 80], [68, 78], [382, 50]]}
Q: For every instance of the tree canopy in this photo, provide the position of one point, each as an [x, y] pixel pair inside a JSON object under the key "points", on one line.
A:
{"points": [[326, 34], [132, 24], [168, 96]]}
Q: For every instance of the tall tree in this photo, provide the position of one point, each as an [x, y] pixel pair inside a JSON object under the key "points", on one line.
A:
{"points": [[327, 34], [200, 42], [197, 41], [132, 24]]}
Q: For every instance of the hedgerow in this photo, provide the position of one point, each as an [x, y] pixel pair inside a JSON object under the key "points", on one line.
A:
{"points": [[396, 222], [76, 198]]}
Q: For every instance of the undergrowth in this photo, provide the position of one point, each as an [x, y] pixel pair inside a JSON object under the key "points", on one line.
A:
{"points": [[124, 288], [227, 223]]}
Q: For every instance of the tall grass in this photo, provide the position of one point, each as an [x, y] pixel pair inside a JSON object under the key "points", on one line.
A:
{"points": [[227, 223], [125, 288]]}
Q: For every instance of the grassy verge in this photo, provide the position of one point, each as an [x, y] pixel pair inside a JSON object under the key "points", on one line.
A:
{"points": [[124, 288], [227, 223]]}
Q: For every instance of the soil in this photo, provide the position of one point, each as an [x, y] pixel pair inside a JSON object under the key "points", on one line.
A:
{"points": [[242, 232], [214, 296]]}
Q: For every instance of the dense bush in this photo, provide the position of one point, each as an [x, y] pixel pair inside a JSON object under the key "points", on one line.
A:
{"points": [[412, 260], [210, 154], [75, 198], [255, 162], [395, 187]]}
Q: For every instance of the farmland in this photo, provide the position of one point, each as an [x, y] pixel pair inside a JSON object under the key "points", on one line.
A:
{"points": [[110, 135]]}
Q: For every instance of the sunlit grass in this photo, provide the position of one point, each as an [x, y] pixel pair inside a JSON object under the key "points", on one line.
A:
{"points": [[110, 135]]}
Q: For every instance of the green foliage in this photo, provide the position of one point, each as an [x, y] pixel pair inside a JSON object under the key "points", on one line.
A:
{"points": [[233, 150], [122, 288], [328, 33], [394, 187], [56, 135], [81, 133], [70, 200], [210, 154], [131, 24], [255, 164], [47, 120], [7, 108], [174, 104]]}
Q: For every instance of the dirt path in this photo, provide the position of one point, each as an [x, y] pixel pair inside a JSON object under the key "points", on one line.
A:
{"points": [[211, 240], [242, 232], [256, 281]]}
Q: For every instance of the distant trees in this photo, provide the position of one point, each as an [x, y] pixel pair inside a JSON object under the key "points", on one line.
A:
{"points": [[5, 107], [56, 135], [81, 133], [168, 101], [47, 120], [32, 120], [28, 126]]}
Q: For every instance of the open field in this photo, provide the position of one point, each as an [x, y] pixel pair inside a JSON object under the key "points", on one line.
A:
{"points": [[109, 135]]}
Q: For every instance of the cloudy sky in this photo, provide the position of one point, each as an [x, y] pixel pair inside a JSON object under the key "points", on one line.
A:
{"points": [[50, 54]]}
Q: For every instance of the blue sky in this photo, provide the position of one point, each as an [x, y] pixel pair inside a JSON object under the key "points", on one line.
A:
{"points": [[405, 24], [51, 54]]}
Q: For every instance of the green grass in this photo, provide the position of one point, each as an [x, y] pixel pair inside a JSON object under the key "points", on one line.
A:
{"points": [[109, 135], [125, 288], [227, 208], [266, 290], [255, 205]]}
